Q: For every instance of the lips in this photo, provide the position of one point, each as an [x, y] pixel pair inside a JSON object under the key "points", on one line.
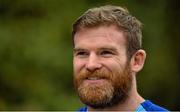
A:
{"points": [[94, 78]]}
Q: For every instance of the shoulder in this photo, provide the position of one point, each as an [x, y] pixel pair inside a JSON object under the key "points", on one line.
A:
{"points": [[149, 106], [83, 109]]}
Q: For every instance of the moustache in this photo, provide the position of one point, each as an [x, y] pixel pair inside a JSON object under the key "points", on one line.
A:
{"points": [[100, 74]]}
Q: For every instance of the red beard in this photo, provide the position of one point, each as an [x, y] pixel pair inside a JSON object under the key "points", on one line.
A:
{"points": [[112, 89]]}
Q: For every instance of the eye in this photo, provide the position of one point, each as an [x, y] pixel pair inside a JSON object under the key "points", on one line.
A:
{"points": [[81, 54], [106, 53]]}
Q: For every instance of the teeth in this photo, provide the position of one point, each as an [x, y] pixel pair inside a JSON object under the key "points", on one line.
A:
{"points": [[93, 78]]}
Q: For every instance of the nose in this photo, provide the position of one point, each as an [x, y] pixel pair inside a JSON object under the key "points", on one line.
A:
{"points": [[93, 63]]}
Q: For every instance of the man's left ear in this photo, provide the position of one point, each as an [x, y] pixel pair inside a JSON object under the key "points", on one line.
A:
{"points": [[137, 60]]}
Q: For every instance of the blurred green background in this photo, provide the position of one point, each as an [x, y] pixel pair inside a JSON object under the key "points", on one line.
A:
{"points": [[36, 52]]}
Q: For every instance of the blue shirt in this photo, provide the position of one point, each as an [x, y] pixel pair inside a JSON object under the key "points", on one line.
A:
{"points": [[140, 108], [143, 107]]}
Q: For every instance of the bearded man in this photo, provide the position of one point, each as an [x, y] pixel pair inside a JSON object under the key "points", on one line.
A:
{"points": [[107, 56]]}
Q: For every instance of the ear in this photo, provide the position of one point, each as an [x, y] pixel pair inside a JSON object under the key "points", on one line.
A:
{"points": [[137, 60]]}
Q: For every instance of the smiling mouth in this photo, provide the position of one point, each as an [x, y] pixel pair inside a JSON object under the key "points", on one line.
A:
{"points": [[95, 78]]}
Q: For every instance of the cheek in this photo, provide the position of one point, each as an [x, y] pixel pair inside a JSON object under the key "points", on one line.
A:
{"points": [[114, 64], [120, 62], [78, 65]]}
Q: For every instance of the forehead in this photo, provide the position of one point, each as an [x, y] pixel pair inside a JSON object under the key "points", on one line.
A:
{"points": [[99, 37]]}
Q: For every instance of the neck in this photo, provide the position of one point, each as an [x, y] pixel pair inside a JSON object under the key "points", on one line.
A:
{"points": [[130, 104]]}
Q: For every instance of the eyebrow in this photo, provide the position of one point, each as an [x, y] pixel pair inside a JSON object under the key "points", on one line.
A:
{"points": [[101, 48], [108, 48], [78, 49]]}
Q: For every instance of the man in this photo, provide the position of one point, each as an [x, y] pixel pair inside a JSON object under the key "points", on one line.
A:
{"points": [[107, 57]]}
